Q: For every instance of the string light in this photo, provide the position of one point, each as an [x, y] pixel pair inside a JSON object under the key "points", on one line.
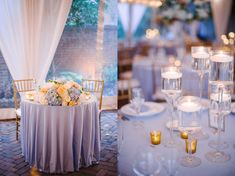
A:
{"points": [[231, 34], [228, 39], [151, 33]]}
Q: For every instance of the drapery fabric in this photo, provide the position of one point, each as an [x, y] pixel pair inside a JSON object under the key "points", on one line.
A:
{"points": [[30, 31], [136, 14], [221, 11]]}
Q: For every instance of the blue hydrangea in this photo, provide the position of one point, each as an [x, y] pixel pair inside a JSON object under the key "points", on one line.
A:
{"points": [[74, 93], [53, 98]]}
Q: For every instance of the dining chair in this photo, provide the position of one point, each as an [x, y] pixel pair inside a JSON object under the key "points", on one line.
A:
{"points": [[96, 87], [124, 90], [21, 86]]}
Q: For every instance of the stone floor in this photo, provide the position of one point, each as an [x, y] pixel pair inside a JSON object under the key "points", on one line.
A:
{"points": [[12, 162]]}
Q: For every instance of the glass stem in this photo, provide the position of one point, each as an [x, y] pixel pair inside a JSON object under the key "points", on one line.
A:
{"points": [[200, 85], [220, 118], [172, 117], [219, 132]]}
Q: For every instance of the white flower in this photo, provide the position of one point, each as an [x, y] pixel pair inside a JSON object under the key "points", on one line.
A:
{"points": [[181, 15], [202, 13], [199, 3], [189, 16], [168, 14]]}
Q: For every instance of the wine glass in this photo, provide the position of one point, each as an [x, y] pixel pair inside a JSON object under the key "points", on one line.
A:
{"points": [[190, 148], [220, 106], [171, 86], [137, 99], [146, 164], [169, 161], [200, 63]]}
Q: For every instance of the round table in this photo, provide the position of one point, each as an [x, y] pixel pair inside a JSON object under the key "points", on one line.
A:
{"points": [[59, 139], [148, 73], [134, 137]]}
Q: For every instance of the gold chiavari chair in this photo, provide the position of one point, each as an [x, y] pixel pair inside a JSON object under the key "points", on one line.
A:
{"points": [[21, 86], [124, 90], [96, 87]]}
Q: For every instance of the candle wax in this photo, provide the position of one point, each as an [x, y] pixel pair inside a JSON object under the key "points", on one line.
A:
{"points": [[189, 106], [200, 55], [171, 75], [222, 58]]}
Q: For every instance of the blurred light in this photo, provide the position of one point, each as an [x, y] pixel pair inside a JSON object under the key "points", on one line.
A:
{"points": [[223, 37], [151, 33], [231, 34], [177, 63], [171, 59], [226, 41], [231, 41], [151, 3]]}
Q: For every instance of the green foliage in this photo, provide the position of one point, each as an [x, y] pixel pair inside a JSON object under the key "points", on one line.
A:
{"points": [[83, 13]]}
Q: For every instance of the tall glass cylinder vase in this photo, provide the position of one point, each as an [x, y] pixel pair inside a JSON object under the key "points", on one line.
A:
{"points": [[220, 89], [171, 86], [220, 106]]}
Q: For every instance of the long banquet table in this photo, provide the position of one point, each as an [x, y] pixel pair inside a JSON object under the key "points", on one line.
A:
{"points": [[59, 139], [134, 137]]}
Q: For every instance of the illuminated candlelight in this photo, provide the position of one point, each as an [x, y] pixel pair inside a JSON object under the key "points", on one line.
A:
{"points": [[189, 105], [155, 137], [191, 146], [184, 134], [29, 96]]}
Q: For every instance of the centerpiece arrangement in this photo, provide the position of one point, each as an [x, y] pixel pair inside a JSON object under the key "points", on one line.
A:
{"points": [[61, 93]]}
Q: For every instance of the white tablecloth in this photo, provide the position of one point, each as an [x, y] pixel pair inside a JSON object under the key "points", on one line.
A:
{"points": [[134, 137], [59, 139], [148, 73]]}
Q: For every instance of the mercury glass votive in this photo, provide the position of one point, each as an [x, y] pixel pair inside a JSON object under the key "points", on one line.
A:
{"points": [[191, 146], [155, 137], [184, 134]]}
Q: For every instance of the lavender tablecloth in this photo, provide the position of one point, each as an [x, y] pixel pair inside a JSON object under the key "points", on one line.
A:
{"points": [[60, 139], [134, 138], [148, 73]]}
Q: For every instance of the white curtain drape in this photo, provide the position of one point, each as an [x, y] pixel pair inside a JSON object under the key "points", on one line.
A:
{"points": [[221, 10], [30, 31], [137, 14]]}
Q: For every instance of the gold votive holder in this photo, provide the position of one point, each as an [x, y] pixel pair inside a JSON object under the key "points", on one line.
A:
{"points": [[184, 134], [191, 145], [155, 137]]}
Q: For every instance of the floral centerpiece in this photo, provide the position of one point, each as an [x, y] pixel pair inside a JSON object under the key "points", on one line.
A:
{"points": [[184, 10], [61, 93]]}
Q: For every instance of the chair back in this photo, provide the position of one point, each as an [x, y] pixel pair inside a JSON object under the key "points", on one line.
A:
{"points": [[20, 86], [94, 86]]}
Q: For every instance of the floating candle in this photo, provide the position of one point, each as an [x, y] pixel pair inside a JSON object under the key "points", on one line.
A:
{"points": [[171, 75], [155, 137], [189, 106], [221, 57], [200, 55]]}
